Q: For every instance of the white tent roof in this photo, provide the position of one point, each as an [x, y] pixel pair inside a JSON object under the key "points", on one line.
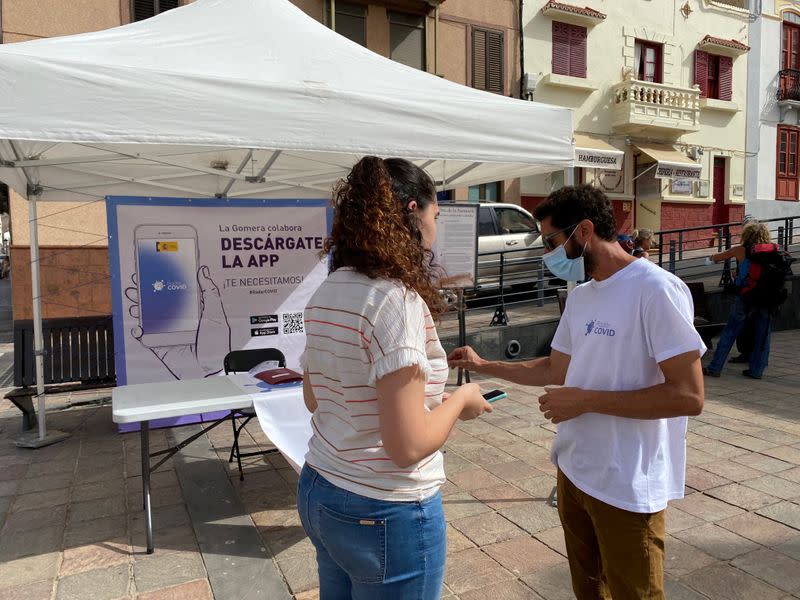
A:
{"points": [[287, 104]]}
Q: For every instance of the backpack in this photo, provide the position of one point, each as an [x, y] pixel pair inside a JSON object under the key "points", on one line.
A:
{"points": [[765, 286]]}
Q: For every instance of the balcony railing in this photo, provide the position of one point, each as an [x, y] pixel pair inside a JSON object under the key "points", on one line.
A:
{"points": [[788, 85], [642, 105]]}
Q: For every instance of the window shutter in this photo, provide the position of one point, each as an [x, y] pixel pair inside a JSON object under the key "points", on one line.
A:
{"points": [[577, 51], [143, 9], [167, 5], [494, 62], [561, 48], [725, 78], [479, 59], [701, 72]]}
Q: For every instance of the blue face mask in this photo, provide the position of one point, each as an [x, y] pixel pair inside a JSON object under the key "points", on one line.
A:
{"points": [[564, 267]]}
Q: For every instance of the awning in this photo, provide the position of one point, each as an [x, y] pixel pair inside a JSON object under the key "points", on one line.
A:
{"points": [[594, 153], [671, 163]]}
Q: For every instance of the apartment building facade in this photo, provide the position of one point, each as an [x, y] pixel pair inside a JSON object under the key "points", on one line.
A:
{"points": [[659, 103], [468, 42], [773, 118]]}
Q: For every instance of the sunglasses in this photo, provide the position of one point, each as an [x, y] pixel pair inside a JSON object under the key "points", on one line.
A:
{"points": [[548, 245]]}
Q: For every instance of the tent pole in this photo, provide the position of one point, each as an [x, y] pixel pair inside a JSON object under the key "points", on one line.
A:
{"points": [[30, 440], [333, 15], [436, 40]]}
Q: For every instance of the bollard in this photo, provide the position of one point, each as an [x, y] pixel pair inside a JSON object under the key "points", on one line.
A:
{"points": [[780, 237]]}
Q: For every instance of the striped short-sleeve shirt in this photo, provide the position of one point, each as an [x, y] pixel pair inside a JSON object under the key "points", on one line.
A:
{"points": [[358, 330]]}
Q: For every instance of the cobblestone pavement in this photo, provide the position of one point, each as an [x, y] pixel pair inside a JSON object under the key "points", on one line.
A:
{"points": [[72, 526]]}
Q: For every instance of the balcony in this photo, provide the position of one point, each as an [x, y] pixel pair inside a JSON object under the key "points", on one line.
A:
{"points": [[788, 93], [641, 106]]}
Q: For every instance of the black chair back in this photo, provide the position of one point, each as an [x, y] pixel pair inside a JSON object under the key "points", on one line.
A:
{"points": [[239, 361]]}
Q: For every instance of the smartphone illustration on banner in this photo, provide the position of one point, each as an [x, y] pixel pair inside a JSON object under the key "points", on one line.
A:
{"points": [[169, 296]]}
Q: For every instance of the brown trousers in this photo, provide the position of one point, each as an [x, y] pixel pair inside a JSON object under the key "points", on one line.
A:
{"points": [[613, 553]]}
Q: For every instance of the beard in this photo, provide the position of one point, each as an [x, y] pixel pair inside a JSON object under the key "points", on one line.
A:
{"points": [[575, 250]]}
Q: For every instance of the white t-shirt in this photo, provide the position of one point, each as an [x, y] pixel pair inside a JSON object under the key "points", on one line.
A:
{"points": [[358, 330], [616, 332]]}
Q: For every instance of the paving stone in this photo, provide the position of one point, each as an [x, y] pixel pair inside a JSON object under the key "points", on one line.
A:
{"points": [[44, 483], [298, 575], [791, 547], [314, 595], [487, 528], [96, 530], [41, 590], [42, 499], [502, 496], [539, 487], [24, 571], [28, 543], [734, 471], [787, 513], [454, 462], [287, 542], [723, 582], [457, 541], [554, 539], [101, 584], [95, 509], [180, 538], [534, 517], [193, 590], [791, 474], [46, 468], [674, 590], [523, 555], [40, 518], [743, 496], [681, 558], [457, 506], [754, 444], [513, 470], [720, 449], [773, 567], [701, 480], [677, 520], [705, 507], [471, 569], [9, 488], [785, 453], [553, 583], [716, 541], [776, 486], [758, 529], [166, 496], [506, 590], [99, 555], [760, 462], [474, 479], [164, 571], [95, 491]]}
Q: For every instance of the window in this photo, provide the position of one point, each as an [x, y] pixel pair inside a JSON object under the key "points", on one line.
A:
{"points": [[714, 75], [790, 46], [485, 191], [144, 9], [485, 221], [786, 164], [488, 49], [407, 39], [512, 220], [647, 61], [569, 50], [351, 21]]}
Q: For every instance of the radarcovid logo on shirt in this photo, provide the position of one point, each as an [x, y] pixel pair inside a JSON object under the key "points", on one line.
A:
{"points": [[600, 328]]}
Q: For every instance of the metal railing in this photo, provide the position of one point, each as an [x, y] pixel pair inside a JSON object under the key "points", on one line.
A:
{"points": [[788, 85]]}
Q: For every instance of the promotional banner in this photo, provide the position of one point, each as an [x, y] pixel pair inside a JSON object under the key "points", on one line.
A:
{"points": [[194, 279]]}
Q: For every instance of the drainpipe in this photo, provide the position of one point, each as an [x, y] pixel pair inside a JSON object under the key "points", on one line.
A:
{"points": [[521, 53], [436, 40], [1, 21]]}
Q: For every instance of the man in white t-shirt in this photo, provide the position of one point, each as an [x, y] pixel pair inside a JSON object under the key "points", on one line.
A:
{"points": [[628, 356]]}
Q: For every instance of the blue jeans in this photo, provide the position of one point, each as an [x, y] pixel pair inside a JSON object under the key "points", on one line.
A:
{"points": [[762, 323], [371, 549]]}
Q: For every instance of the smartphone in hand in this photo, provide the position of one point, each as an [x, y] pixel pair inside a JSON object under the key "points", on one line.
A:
{"points": [[494, 396]]}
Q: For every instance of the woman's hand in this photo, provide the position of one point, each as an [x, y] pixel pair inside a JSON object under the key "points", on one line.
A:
{"points": [[474, 404]]}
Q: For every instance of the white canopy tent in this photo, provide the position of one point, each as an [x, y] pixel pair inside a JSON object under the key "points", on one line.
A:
{"points": [[242, 99]]}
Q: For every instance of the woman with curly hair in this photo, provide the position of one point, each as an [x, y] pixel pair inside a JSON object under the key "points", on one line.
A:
{"points": [[753, 233], [374, 377]]}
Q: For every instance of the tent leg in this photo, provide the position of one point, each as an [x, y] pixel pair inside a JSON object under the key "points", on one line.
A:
{"points": [[43, 437]]}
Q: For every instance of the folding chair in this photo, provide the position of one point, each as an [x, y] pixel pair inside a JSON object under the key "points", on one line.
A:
{"points": [[240, 361]]}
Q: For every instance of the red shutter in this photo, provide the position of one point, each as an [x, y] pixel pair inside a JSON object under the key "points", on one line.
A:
{"points": [[701, 71], [725, 78], [577, 51], [561, 48]]}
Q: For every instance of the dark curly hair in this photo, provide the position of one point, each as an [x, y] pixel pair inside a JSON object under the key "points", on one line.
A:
{"points": [[374, 232], [572, 204]]}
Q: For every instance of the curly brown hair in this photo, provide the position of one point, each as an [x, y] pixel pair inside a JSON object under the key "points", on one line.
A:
{"points": [[374, 232]]}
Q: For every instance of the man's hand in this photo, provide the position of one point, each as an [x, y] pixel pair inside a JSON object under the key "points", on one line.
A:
{"points": [[561, 403], [464, 358]]}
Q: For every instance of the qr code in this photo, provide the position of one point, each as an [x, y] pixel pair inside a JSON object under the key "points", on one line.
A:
{"points": [[292, 323]]}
